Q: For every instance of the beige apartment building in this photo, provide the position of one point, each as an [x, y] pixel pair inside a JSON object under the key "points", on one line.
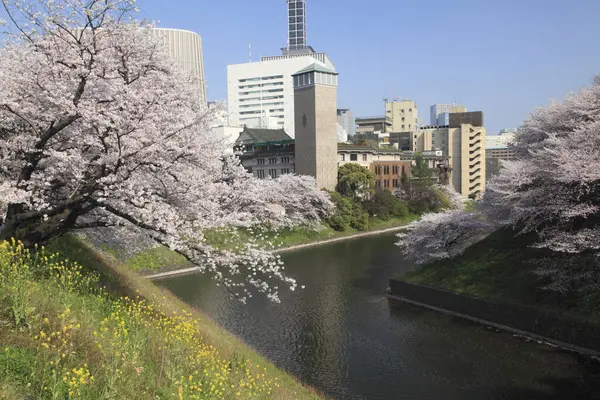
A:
{"points": [[463, 140], [403, 115]]}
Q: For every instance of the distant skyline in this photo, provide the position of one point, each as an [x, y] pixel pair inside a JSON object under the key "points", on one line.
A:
{"points": [[503, 58]]}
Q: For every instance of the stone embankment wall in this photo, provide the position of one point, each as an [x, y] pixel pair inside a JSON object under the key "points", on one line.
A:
{"points": [[553, 328]]}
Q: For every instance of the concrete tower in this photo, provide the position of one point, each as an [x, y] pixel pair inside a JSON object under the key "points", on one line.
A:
{"points": [[315, 117], [296, 24], [185, 48]]}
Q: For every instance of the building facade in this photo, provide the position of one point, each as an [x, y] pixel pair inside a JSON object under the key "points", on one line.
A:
{"points": [[372, 124], [506, 137], [262, 90], [315, 102], [266, 152], [497, 150], [389, 165], [403, 115], [439, 114], [346, 119], [463, 141], [185, 48]]}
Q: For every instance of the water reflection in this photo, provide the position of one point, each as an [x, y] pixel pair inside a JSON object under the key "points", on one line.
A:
{"points": [[342, 336]]}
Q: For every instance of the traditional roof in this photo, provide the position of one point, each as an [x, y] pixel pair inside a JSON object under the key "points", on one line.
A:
{"points": [[257, 135], [316, 67]]}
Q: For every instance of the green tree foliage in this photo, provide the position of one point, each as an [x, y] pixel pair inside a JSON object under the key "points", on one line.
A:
{"points": [[355, 181], [422, 198], [384, 205], [421, 172], [349, 214]]}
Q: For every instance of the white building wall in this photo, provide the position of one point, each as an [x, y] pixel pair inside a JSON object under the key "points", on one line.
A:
{"points": [[185, 47], [256, 88], [227, 135], [501, 140]]}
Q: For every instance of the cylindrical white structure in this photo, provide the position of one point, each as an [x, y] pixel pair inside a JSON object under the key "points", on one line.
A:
{"points": [[185, 47]]}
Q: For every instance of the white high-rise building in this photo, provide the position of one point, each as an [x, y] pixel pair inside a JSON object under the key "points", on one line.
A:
{"points": [[261, 94], [185, 48], [261, 91]]}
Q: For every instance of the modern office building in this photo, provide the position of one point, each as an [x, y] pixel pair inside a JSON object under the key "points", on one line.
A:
{"points": [[439, 114], [403, 114], [315, 102], [463, 141], [185, 47], [261, 94], [262, 90], [346, 119]]}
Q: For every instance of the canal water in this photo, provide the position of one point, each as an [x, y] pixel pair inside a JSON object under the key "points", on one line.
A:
{"points": [[341, 335]]}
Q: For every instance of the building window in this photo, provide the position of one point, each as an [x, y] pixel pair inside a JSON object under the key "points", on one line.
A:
{"points": [[386, 183], [377, 184], [403, 169], [395, 170], [273, 173], [273, 160], [395, 183], [285, 160], [353, 157], [364, 157], [260, 174], [386, 170], [343, 157], [260, 161], [378, 170], [285, 171]]}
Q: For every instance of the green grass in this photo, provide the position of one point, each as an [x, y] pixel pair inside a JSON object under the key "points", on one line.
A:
{"points": [[154, 346], [499, 268], [161, 258]]}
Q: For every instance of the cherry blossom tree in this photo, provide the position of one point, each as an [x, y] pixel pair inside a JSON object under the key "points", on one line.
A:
{"points": [[99, 128], [442, 235], [552, 189]]}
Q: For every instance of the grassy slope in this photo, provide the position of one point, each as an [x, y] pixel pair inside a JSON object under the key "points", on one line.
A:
{"points": [[498, 268], [161, 258], [19, 348]]}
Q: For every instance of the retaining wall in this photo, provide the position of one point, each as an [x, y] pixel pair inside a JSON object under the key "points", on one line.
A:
{"points": [[514, 317]]}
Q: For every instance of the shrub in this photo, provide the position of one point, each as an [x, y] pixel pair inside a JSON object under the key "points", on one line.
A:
{"points": [[384, 205], [349, 214], [360, 220], [337, 223]]}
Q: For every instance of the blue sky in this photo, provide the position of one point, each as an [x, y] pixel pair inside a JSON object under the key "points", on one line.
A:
{"points": [[503, 57]]}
